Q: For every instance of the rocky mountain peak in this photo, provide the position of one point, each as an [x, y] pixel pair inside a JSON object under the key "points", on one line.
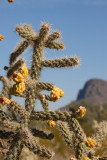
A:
{"points": [[94, 91]]}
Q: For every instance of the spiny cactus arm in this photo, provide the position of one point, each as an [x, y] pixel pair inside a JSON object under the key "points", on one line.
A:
{"points": [[19, 147], [30, 99], [9, 125], [3, 79], [65, 133], [54, 45], [18, 51], [42, 134], [77, 129], [51, 115], [29, 29], [45, 86], [7, 83], [101, 133], [5, 93], [14, 150], [26, 32], [13, 106], [4, 116], [43, 101], [37, 149], [56, 93], [79, 150], [48, 97], [64, 62], [36, 60], [37, 133], [53, 36], [15, 67], [44, 30], [38, 48]]}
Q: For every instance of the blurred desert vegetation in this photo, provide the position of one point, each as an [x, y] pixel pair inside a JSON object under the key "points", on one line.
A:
{"points": [[95, 114]]}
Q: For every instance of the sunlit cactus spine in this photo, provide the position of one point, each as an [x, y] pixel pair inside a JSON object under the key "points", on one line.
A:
{"points": [[23, 82]]}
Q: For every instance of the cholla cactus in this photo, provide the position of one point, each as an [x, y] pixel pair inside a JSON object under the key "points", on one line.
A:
{"points": [[25, 83]]}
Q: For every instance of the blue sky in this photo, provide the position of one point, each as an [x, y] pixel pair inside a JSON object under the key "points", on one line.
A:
{"points": [[83, 24]]}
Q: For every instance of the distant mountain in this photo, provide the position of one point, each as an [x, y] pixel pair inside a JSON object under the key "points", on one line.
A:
{"points": [[93, 92]]}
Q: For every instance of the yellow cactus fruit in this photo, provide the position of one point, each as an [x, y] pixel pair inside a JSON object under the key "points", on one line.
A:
{"points": [[86, 158], [90, 142], [23, 70], [10, 1], [61, 93], [18, 88], [17, 77], [51, 123], [1, 37], [72, 158], [56, 93], [80, 112], [4, 100]]}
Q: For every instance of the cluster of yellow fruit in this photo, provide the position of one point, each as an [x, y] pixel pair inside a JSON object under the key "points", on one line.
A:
{"points": [[81, 112], [56, 93], [51, 123], [90, 142], [4, 100], [19, 77]]}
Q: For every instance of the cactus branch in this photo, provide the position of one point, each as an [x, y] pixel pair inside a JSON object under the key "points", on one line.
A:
{"points": [[18, 51], [64, 62], [15, 67]]}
